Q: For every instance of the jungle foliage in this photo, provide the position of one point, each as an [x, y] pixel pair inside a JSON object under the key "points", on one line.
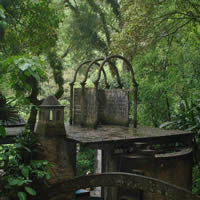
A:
{"points": [[22, 174], [160, 38]]}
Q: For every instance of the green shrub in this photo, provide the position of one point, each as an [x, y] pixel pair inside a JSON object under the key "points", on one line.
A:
{"points": [[85, 161], [196, 180], [21, 172]]}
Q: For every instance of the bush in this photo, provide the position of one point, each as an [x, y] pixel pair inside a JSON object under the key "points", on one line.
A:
{"points": [[85, 161], [196, 180], [20, 170]]}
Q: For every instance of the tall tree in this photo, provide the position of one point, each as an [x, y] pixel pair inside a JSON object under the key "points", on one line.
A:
{"points": [[30, 33]]}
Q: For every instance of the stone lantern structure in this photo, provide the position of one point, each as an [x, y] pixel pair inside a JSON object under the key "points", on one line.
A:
{"points": [[51, 118], [55, 148]]}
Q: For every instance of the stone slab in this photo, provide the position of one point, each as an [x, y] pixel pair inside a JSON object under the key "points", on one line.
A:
{"points": [[104, 107], [107, 134], [114, 107], [85, 107]]}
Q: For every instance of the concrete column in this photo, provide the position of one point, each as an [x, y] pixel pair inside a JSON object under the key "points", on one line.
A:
{"points": [[110, 165], [60, 153]]}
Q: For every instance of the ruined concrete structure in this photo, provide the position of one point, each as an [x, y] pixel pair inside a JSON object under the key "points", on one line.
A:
{"points": [[99, 119], [108, 106], [55, 148], [51, 118], [172, 167], [129, 181], [152, 152]]}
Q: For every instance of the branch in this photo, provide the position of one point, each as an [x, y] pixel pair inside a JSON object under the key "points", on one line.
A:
{"points": [[167, 15], [56, 65], [177, 29], [69, 4], [66, 52], [102, 16], [115, 7], [34, 92]]}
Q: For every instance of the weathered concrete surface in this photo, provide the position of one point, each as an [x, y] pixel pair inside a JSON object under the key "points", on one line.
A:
{"points": [[57, 151], [96, 192], [129, 181], [119, 134], [174, 168], [109, 165], [51, 118], [110, 138], [13, 131], [92, 107], [113, 106], [113, 135], [85, 107]]}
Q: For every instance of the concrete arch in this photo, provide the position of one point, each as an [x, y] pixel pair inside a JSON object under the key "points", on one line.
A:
{"points": [[74, 80], [129, 181], [135, 84], [77, 70], [88, 69], [116, 70], [85, 63]]}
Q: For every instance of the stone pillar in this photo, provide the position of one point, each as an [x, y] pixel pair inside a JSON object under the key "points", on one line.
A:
{"points": [[58, 152], [55, 148], [96, 192], [110, 165]]}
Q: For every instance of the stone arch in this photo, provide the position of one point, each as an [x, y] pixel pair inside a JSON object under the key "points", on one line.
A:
{"points": [[82, 84], [105, 77], [126, 180], [135, 84], [85, 63], [88, 69]]}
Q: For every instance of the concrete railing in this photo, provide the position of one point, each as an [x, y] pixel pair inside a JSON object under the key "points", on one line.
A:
{"points": [[125, 180]]}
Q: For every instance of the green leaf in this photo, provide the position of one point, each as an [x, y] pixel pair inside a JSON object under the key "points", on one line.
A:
{"points": [[27, 73], [45, 162], [37, 77], [27, 149], [2, 131], [165, 124], [18, 145], [21, 195], [40, 174], [25, 172], [24, 66], [48, 176], [17, 181], [13, 181], [36, 163], [30, 191]]}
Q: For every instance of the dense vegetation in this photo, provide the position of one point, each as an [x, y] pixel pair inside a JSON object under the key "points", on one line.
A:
{"points": [[23, 173], [41, 43], [42, 40]]}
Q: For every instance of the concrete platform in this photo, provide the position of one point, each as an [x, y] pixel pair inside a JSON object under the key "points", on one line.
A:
{"points": [[119, 135]]}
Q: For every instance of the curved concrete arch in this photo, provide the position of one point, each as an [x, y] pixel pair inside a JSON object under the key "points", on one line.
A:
{"points": [[107, 59], [82, 84], [86, 75], [135, 84], [88, 69], [72, 89], [116, 70], [78, 68], [126, 180]]}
